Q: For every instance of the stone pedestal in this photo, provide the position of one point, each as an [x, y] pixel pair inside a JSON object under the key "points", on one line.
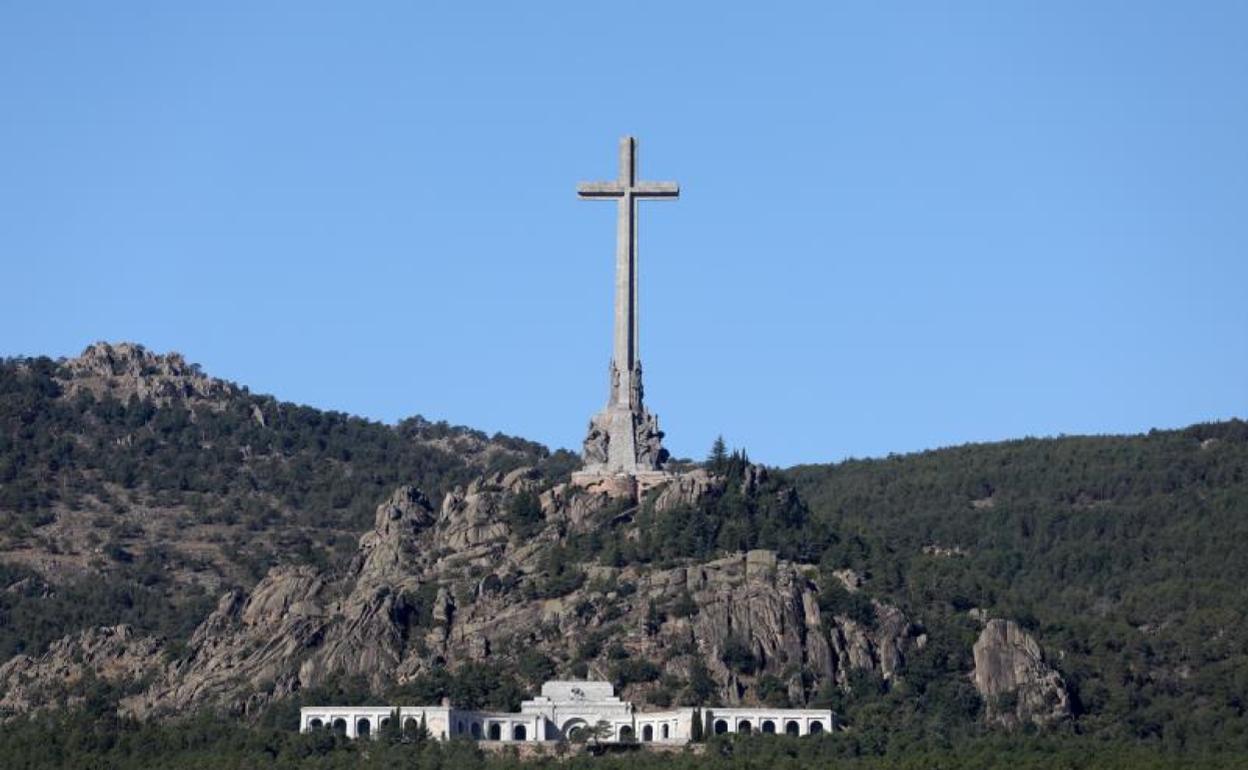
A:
{"points": [[624, 438], [631, 484]]}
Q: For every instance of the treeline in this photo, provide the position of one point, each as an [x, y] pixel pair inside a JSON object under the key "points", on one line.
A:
{"points": [[212, 742], [248, 458]]}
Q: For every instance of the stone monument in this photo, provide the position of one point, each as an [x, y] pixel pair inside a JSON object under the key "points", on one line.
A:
{"points": [[624, 438]]}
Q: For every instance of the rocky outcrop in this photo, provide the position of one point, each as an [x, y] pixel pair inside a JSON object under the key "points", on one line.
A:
{"points": [[687, 490], [429, 589], [59, 677], [1012, 677], [389, 551], [471, 517], [251, 644], [126, 369]]}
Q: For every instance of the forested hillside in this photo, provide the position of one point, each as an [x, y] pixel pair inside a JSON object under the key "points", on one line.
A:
{"points": [[136, 490], [1124, 554]]}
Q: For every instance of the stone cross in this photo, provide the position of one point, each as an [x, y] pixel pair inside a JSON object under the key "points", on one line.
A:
{"points": [[627, 191], [624, 438]]}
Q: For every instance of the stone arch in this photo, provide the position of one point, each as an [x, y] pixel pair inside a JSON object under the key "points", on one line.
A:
{"points": [[519, 733], [665, 732], [475, 729], [769, 727], [791, 727], [340, 726], [816, 727], [721, 726], [384, 721], [459, 728], [411, 726], [494, 731], [744, 727], [572, 727], [315, 724], [626, 734], [363, 727], [647, 733]]}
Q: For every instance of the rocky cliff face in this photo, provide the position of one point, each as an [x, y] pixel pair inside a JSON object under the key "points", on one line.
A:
{"points": [[439, 587], [1012, 677], [113, 654], [125, 369]]}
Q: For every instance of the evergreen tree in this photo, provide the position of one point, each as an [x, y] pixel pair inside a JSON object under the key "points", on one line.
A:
{"points": [[718, 457], [392, 729]]}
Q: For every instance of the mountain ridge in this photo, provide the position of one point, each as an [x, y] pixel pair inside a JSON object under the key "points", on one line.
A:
{"points": [[1103, 566]]}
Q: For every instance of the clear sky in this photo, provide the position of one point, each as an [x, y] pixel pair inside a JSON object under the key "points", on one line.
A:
{"points": [[902, 225]]}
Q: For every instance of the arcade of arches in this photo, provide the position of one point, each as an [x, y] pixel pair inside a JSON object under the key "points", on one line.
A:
{"points": [[563, 711]]}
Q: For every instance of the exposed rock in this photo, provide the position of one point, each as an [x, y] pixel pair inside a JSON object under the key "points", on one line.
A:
{"points": [[1014, 680], [428, 590], [849, 578], [126, 369], [389, 550], [944, 552], [249, 644], [687, 490], [111, 653], [574, 504], [471, 517]]}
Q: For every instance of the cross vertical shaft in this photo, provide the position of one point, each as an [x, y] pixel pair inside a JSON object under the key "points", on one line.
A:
{"points": [[627, 191], [625, 349]]}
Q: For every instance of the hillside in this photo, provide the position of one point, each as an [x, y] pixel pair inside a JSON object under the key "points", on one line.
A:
{"points": [[1123, 554], [172, 545], [173, 486]]}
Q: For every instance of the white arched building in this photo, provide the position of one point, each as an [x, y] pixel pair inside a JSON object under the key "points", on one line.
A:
{"points": [[559, 712]]}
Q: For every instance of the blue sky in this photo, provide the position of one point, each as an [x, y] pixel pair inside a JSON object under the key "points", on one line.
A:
{"points": [[902, 225]]}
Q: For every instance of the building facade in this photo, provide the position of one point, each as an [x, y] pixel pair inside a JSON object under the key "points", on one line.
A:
{"points": [[564, 709]]}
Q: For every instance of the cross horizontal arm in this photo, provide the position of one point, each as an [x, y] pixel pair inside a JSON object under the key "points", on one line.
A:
{"points": [[600, 189], [656, 190], [618, 189]]}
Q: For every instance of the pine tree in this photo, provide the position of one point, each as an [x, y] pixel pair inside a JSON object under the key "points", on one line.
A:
{"points": [[718, 456], [391, 729]]}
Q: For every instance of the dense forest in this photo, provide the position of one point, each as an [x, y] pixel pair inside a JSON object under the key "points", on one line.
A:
{"points": [[1123, 556]]}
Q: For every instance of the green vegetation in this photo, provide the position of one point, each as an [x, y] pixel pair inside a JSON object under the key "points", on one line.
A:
{"points": [[749, 513], [218, 742], [33, 614], [310, 480], [308, 467], [1124, 556]]}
